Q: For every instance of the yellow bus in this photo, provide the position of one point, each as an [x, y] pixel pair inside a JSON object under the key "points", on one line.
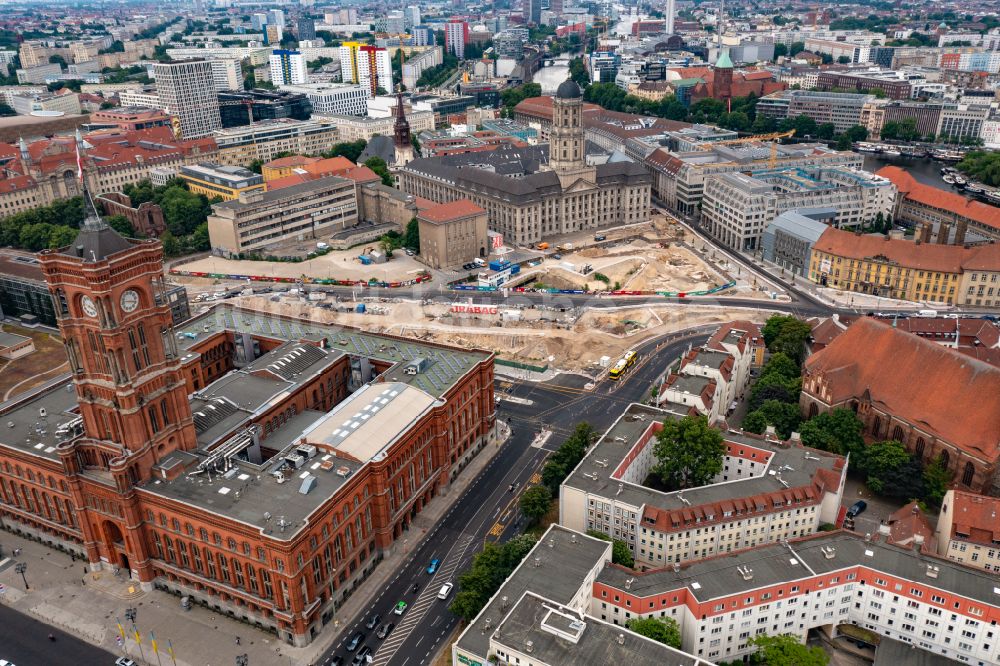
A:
{"points": [[623, 365]]}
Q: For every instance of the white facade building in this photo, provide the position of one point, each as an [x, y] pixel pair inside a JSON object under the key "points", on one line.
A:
{"points": [[187, 90], [288, 68], [334, 98]]}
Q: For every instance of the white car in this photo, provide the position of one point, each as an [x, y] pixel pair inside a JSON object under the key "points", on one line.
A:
{"points": [[445, 591]]}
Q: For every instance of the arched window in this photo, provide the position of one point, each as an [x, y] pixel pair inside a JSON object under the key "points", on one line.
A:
{"points": [[813, 410], [968, 474], [897, 433], [876, 426], [945, 458], [919, 449]]}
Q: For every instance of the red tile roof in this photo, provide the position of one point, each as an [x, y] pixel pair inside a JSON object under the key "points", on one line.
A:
{"points": [[453, 210], [291, 161], [958, 399], [946, 201], [16, 183], [975, 517], [909, 524], [921, 256]]}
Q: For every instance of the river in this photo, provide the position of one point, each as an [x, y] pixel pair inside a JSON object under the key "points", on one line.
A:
{"points": [[924, 170], [550, 77]]}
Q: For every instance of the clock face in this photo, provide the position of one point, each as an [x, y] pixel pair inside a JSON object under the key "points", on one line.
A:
{"points": [[89, 307], [129, 300]]}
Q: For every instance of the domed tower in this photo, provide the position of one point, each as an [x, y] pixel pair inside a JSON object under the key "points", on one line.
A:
{"points": [[567, 155]]}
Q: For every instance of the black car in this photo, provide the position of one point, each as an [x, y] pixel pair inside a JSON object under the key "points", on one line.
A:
{"points": [[857, 509], [336, 661], [355, 641], [414, 588], [373, 621], [384, 630], [364, 656]]}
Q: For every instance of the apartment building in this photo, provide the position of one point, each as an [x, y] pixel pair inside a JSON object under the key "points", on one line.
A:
{"points": [[967, 530], [333, 98], [288, 68], [39, 73], [227, 73], [66, 102], [356, 128], [366, 65], [738, 207], [416, 65], [679, 177], [767, 491], [257, 219], [891, 83]]}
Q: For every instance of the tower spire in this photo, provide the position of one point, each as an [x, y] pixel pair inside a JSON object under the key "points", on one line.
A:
{"points": [[91, 218]]}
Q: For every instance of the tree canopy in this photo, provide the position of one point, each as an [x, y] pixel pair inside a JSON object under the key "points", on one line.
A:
{"points": [[689, 452], [567, 456], [378, 165], [661, 629], [838, 431], [490, 568], [620, 552], [786, 650], [535, 502]]}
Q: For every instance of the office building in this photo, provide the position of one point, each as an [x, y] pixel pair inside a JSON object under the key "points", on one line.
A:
{"points": [[237, 106], [186, 90], [270, 405], [333, 98], [526, 203], [288, 68], [66, 102], [39, 73], [256, 219], [130, 118], [669, 13], [305, 28], [258, 21], [412, 14], [263, 140], [456, 36], [788, 241], [369, 66], [844, 110], [737, 207], [452, 234], [215, 180], [534, 16], [355, 128], [893, 84]]}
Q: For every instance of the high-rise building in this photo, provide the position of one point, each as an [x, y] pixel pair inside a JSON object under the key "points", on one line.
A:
{"points": [[273, 34], [258, 21], [412, 15], [333, 98], [187, 91], [305, 28], [226, 73], [288, 68], [669, 11], [367, 65], [237, 105], [456, 36], [276, 17], [534, 7]]}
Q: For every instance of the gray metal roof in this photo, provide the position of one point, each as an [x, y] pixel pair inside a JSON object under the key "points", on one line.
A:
{"points": [[798, 225]]}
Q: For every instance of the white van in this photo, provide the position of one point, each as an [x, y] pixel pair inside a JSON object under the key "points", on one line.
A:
{"points": [[927, 313], [445, 591]]}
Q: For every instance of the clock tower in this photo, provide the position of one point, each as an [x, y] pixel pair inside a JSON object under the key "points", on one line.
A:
{"points": [[110, 303]]}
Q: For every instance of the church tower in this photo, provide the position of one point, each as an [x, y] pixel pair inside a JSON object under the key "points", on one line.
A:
{"points": [[401, 134], [113, 314], [567, 155]]}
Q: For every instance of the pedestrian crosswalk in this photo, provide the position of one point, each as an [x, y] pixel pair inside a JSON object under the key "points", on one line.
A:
{"points": [[415, 613]]}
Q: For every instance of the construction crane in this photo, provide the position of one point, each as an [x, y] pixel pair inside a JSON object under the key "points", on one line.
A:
{"points": [[773, 137]]}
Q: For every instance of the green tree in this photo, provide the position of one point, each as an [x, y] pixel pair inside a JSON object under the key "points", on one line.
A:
{"points": [[490, 568], [199, 238], [61, 236], [982, 166], [782, 364], [879, 459], [791, 339], [553, 473], [578, 72], [689, 452], [350, 149], [937, 478], [838, 431], [535, 502], [120, 224], [786, 650], [620, 552], [378, 165], [783, 416], [57, 60], [826, 131], [780, 50], [171, 247], [412, 237], [796, 48], [6, 110], [661, 629]]}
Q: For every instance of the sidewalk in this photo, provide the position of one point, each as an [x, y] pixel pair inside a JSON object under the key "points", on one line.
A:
{"points": [[89, 605]]}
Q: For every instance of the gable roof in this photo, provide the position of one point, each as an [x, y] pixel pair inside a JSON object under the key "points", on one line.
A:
{"points": [[958, 398], [974, 517], [946, 201], [920, 256]]}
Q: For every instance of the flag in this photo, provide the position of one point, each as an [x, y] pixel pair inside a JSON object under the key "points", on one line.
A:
{"points": [[497, 242], [152, 639], [121, 629], [79, 162], [138, 638]]}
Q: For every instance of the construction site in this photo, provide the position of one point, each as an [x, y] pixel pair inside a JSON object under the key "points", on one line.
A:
{"points": [[567, 339]]}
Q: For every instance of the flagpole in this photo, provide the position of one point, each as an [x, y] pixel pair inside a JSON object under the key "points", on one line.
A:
{"points": [[152, 640], [170, 651]]}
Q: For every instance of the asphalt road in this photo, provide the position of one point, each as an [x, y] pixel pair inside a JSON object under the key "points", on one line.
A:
{"points": [[25, 643], [557, 406]]}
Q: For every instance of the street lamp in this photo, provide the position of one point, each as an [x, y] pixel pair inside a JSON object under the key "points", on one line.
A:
{"points": [[130, 615], [20, 568], [242, 660]]}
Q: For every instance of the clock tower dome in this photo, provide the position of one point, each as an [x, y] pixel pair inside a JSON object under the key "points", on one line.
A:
{"points": [[110, 303]]}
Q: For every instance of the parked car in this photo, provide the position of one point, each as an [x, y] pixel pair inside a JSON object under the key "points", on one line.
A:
{"points": [[414, 588], [385, 629], [410, 252], [355, 641], [857, 509], [373, 621], [400, 608], [433, 566]]}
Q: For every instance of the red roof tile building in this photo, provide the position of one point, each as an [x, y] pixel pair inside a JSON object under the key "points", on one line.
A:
{"points": [[968, 530], [452, 233], [908, 527], [940, 216], [937, 402]]}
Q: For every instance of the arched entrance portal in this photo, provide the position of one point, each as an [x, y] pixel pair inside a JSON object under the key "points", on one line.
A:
{"points": [[115, 542]]}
